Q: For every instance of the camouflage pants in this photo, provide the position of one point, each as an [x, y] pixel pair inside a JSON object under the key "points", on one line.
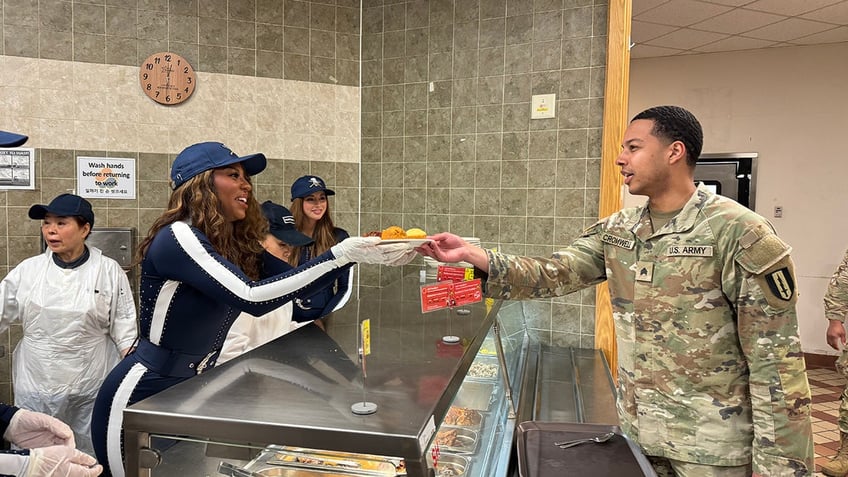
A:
{"points": [[842, 367], [675, 468]]}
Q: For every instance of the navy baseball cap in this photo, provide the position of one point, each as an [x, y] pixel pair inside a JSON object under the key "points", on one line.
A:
{"points": [[65, 205], [204, 156], [306, 185], [10, 139], [281, 225]]}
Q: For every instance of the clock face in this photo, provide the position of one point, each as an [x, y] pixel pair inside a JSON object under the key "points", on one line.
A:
{"points": [[167, 78]]}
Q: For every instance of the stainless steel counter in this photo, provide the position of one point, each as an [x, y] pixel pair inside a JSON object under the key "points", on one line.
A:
{"points": [[298, 390]]}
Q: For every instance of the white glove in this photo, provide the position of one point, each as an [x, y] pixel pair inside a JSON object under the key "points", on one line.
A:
{"points": [[61, 461], [29, 430], [356, 249], [397, 254], [366, 250]]}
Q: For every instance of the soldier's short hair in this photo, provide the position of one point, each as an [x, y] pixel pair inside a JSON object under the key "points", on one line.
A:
{"points": [[674, 123]]}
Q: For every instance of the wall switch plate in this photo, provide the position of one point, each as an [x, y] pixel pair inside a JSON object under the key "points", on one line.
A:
{"points": [[543, 106]]}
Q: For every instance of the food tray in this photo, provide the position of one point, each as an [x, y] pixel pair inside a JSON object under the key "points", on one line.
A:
{"points": [[450, 465], [472, 418], [475, 395], [456, 440], [483, 368], [539, 457], [277, 461]]}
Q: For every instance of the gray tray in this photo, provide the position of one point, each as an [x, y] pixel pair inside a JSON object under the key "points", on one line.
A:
{"points": [[475, 395], [539, 457]]}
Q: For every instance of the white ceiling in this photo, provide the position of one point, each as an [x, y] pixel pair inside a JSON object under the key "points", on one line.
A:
{"points": [[680, 27]]}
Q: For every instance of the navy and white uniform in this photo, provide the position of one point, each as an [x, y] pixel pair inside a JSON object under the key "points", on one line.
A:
{"points": [[189, 297], [329, 299]]}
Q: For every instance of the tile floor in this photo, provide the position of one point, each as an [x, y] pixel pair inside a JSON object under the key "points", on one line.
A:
{"points": [[826, 386]]}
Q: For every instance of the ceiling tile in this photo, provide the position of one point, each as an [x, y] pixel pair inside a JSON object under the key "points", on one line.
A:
{"points": [[661, 27], [685, 39], [682, 12], [734, 43], [833, 14], [738, 21], [644, 31], [647, 51], [731, 3], [640, 6], [789, 7], [788, 30], [838, 34]]}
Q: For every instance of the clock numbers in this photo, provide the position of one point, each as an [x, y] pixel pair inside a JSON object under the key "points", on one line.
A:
{"points": [[167, 78]]}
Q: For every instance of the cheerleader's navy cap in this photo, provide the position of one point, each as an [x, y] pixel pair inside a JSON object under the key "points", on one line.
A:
{"points": [[10, 139], [204, 156]]}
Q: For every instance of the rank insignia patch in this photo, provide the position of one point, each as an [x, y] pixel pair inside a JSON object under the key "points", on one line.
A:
{"points": [[781, 284]]}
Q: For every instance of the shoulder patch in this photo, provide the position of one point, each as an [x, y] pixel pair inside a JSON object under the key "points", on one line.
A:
{"points": [[761, 249], [781, 283]]}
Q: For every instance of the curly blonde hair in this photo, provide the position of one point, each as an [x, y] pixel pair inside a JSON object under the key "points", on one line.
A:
{"points": [[196, 201]]}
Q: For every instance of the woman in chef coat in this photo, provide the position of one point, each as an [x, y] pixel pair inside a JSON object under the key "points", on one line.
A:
{"points": [[77, 313]]}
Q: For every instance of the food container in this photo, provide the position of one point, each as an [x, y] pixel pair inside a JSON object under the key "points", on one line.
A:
{"points": [[484, 368], [456, 440], [282, 461], [463, 417], [539, 457], [450, 465], [475, 395]]}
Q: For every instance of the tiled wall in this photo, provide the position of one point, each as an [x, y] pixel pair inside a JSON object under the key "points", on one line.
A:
{"points": [[299, 40], [447, 139], [277, 76]]}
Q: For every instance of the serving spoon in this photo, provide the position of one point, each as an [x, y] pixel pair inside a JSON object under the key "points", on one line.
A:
{"points": [[596, 439]]}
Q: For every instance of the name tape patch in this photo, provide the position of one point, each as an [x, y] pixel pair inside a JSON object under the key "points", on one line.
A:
{"points": [[690, 251], [618, 241]]}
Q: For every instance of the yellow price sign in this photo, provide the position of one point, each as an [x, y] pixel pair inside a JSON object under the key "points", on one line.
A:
{"points": [[366, 337], [469, 274]]}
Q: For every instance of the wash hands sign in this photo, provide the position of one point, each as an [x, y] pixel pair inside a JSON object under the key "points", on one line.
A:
{"points": [[106, 177]]}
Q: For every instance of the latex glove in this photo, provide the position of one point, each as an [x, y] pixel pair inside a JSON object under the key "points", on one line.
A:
{"points": [[29, 430], [397, 254], [357, 249], [61, 461]]}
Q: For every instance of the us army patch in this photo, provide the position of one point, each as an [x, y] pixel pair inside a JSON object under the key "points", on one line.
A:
{"points": [[690, 251], [781, 284], [618, 241]]}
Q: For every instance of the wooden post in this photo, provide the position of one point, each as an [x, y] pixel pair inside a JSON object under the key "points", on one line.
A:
{"points": [[615, 121]]}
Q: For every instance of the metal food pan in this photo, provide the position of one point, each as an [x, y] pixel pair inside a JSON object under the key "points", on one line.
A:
{"points": [[450, 465], [484, 368], [458, 440], [539, 457], [475, 395], [475, 416], [280, 461]]}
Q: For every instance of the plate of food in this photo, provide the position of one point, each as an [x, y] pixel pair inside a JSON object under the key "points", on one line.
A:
{"points": [[413, 237], [411, 242]]}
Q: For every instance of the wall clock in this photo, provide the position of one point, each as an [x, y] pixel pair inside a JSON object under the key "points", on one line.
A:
{"points": [[167, 78]]}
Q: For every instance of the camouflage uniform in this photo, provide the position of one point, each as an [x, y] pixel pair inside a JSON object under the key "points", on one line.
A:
{"points": [[710, 364], [836, 308]]}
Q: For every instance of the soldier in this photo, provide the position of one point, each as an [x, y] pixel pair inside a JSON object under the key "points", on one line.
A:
{"points": [[711, 378], [835, 310]]}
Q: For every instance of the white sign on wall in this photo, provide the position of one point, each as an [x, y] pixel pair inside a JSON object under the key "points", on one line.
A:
{"points": [[106, 177], [17, 168]]}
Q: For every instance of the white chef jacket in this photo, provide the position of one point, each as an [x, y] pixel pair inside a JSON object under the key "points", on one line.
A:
{"points": [[250, 331], [75, 321]]}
